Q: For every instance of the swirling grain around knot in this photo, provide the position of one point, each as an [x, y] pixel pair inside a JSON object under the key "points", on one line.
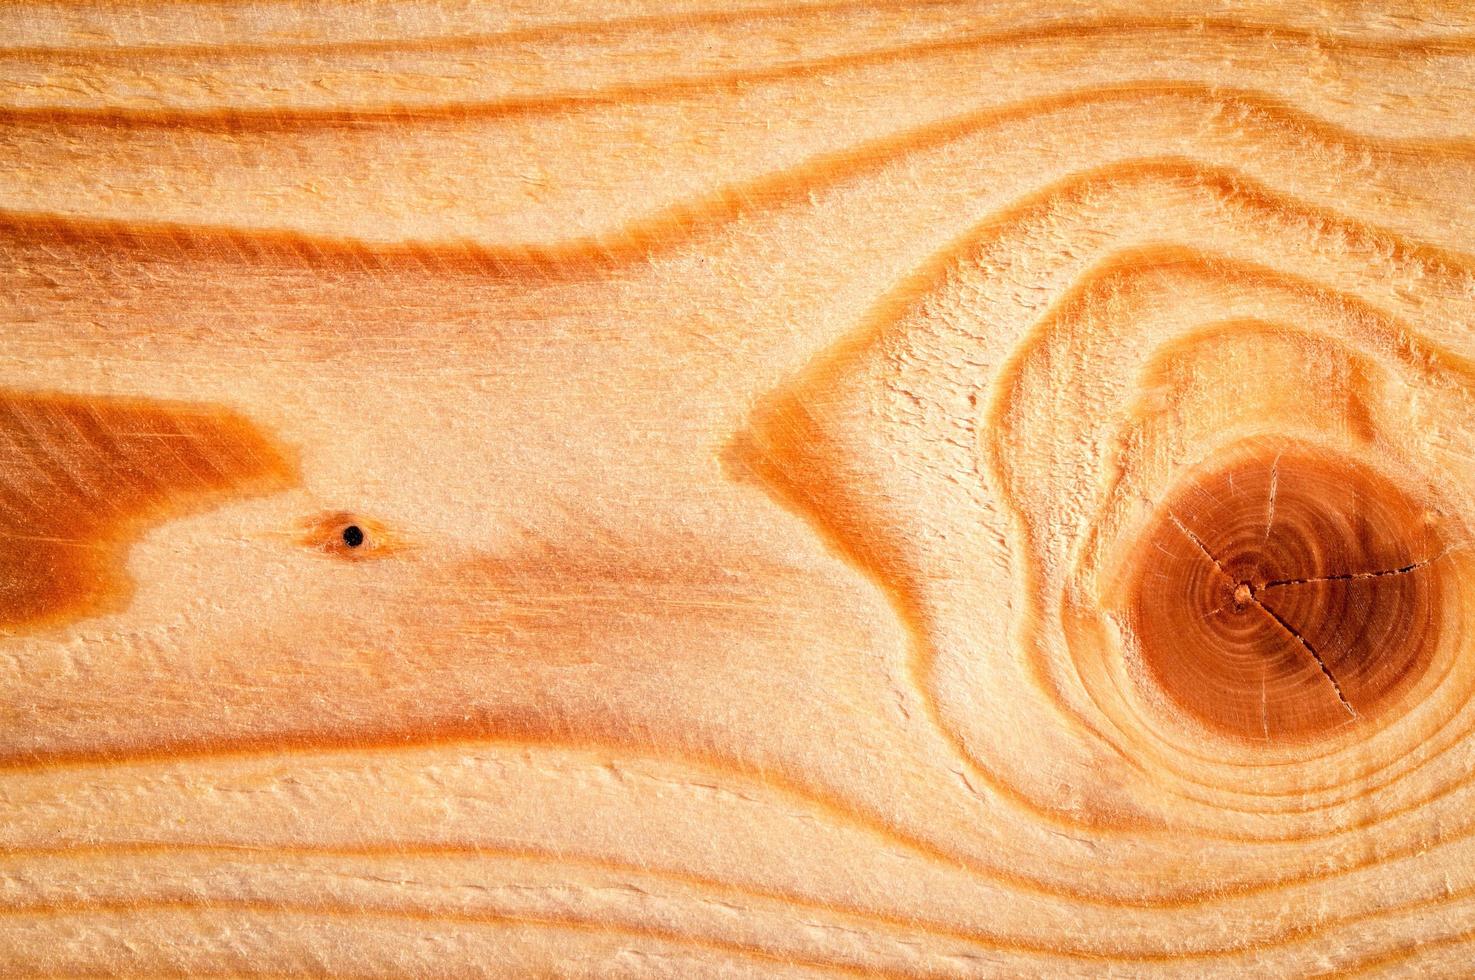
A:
{"points": [[876, 488]]}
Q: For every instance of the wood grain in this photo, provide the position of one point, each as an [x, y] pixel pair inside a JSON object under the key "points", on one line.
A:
{"points": [[927, 488]]}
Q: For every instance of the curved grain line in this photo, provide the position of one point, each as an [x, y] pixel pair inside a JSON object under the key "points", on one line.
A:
{"points": [[278, 118], [561, 31], [1239, 186], [1403, 955], [11, 761], [907, 921], [938, 264], [1201, 27], [283, 118], [841, 807], [1431, 902], [669, 229], [834, 807], [346, 911], [810, 798], [1126, 266], [1416, 355], [1243, 192], [1235, 190], [412, 850]]}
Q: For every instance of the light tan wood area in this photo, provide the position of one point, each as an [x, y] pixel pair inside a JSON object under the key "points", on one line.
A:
{"points": [[937, 489]]}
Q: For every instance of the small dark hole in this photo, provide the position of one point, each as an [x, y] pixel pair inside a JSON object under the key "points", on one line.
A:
{"points": [[353, 536]]}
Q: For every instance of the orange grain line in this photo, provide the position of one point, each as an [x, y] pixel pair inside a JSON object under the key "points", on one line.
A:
{"points": [[1120, 269], [833, 806], [635, 254], [335, 910], [1106, 27], [1236, 188], [410, 849], [671, 228], [580, 31], [1063, 947], [1365, 228], [1236, 191], [273, 119], [1408, 952]]}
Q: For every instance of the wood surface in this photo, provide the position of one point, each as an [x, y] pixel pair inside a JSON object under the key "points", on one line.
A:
{"points": [[950, 488]]}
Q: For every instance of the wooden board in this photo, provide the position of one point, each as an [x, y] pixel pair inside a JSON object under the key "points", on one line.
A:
{"points": [[941, 488]]}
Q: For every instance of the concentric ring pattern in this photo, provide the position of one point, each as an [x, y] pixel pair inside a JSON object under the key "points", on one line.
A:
{"points": [[937, 489]]}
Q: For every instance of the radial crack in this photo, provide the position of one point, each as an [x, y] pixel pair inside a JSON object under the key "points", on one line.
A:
{"points": [[1201, 546], [1350, 576], [1295, 635], [1270, 504]]}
